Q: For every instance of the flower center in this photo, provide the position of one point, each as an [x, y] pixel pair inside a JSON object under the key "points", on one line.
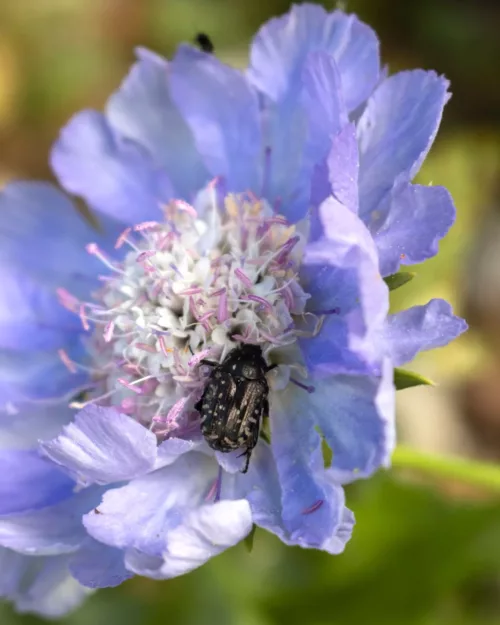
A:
{"points": [[192, 287]]}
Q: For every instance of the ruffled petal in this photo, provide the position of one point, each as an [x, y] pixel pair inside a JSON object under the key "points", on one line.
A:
{"points": [[103, 446], [54, 530], [206, 532], [420, 328], [262, 488], [96, 565], [396, 131], [40, 586], [142, 111], [281, 47], [417, 217], [28, 482], [115, 176], [138, 515], [341, 274], [357, 418], [310, 509], [221, 108]]}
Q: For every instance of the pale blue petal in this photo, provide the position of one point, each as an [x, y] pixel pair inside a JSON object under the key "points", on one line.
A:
{"points": [[356, 415], [96, 565], [396, 131], [115, 176], [221, 108], [54, 530], [42, 234], [341, 274], [421, 328], [29, 482], [309, 510], [417, 217], [142, 110], [34, 375], [281, 47], [32, 421], [138, 515], [38, 585], [204, 533], [103, 446]]}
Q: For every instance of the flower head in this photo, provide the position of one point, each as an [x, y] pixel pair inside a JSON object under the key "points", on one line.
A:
{"points": [[260, 208]]}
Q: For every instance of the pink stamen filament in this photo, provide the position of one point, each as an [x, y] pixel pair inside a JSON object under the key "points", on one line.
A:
{"points": [[83, 317], [108, 331], [315, 506], [146, 225], [197, 358], [66, 360], [184, 206], [93, 248], [243, 278], [122, 238], [222, 310], [69, 301], [145, 348], [256, 298]]}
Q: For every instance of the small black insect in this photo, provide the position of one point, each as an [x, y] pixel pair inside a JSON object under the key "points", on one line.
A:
{"points": [[204, 42], [235, 400]]}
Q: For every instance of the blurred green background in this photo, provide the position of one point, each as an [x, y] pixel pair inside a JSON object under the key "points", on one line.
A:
{"points": [[426, 551]]}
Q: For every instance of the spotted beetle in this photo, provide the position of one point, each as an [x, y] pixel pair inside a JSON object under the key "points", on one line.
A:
{"points": [[235, 400]]}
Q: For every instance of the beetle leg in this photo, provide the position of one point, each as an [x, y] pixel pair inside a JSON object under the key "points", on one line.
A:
{"points": [[247, 453], [270, 368], [210, 363]]}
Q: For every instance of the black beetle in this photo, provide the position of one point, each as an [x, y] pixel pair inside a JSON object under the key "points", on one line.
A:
{"points": [[235, 400], [205, 43]]}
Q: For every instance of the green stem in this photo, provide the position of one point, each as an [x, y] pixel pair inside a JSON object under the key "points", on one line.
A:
{"points": [[483, 474]]}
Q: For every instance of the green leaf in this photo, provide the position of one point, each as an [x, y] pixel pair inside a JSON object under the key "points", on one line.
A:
{"points": [[249, 539], [399, 279], [406, 379]]}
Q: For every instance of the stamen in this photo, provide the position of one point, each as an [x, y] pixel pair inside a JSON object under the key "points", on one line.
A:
{"points": [[173, 414], [261, 300], [146, 225], [315, 506], [93, 248], [108, 331], [145, 255], [122, 238], [83, 317], [184, 206], [222, 310], [130, 386], [243, 278], [163, 346], [67, 362], [194, 290], [145, 348], [197, 358], [69, 301]]}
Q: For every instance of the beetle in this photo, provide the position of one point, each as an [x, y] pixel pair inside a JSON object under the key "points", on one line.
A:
{"points": [[235, 400], [205, 43]]}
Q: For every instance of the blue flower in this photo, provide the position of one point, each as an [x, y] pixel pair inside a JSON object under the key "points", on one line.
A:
{"points": [[262, 207]]}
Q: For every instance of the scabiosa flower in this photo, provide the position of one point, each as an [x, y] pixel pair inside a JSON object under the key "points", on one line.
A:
{"points": [[260, 208]]}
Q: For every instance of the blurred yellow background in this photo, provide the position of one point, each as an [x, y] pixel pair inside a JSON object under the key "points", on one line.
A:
{"points": [[425, 552]]}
